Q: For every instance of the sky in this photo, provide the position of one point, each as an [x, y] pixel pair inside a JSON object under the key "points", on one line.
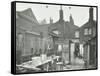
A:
{"points": [[43, 11]]}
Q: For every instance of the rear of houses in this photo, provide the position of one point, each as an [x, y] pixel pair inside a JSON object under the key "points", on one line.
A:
{"points": [[58, 43], [87, 35]]}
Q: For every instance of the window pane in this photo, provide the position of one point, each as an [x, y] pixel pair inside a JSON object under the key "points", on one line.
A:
{"points": [[94, 31], [90, 31], [59, 47], [86, 31], [77, 34]]}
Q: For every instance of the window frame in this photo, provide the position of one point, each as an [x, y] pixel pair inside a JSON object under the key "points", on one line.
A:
{"points": [[86, 31], [90, 32], [77, 33]]}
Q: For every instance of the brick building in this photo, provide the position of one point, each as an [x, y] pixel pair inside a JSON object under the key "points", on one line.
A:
{"points": [[62, 33], [88, 38]]}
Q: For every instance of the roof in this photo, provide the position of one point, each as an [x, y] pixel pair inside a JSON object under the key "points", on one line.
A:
{"points": [[67, 29], [43, 29], [28, 13], [88, 24], [26, 20], [70, 30]]}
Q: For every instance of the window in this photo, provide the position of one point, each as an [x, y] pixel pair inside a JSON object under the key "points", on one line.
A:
{"points": [[56, 32], [90, 31], [94, 31], [20, 41], [86, 31], [77, 34], [59, 47]]}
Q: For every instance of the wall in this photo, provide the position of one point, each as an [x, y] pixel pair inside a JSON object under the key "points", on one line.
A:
{"points": [[5, 38]]}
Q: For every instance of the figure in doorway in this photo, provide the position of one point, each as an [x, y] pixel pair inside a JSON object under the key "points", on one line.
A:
{"points": [[76, 52]]}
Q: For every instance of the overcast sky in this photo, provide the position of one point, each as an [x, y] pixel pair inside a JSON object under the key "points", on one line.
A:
{"points": [[41, 11]]}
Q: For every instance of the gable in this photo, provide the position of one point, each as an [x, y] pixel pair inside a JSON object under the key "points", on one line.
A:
{"points": [[28, 14]]}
